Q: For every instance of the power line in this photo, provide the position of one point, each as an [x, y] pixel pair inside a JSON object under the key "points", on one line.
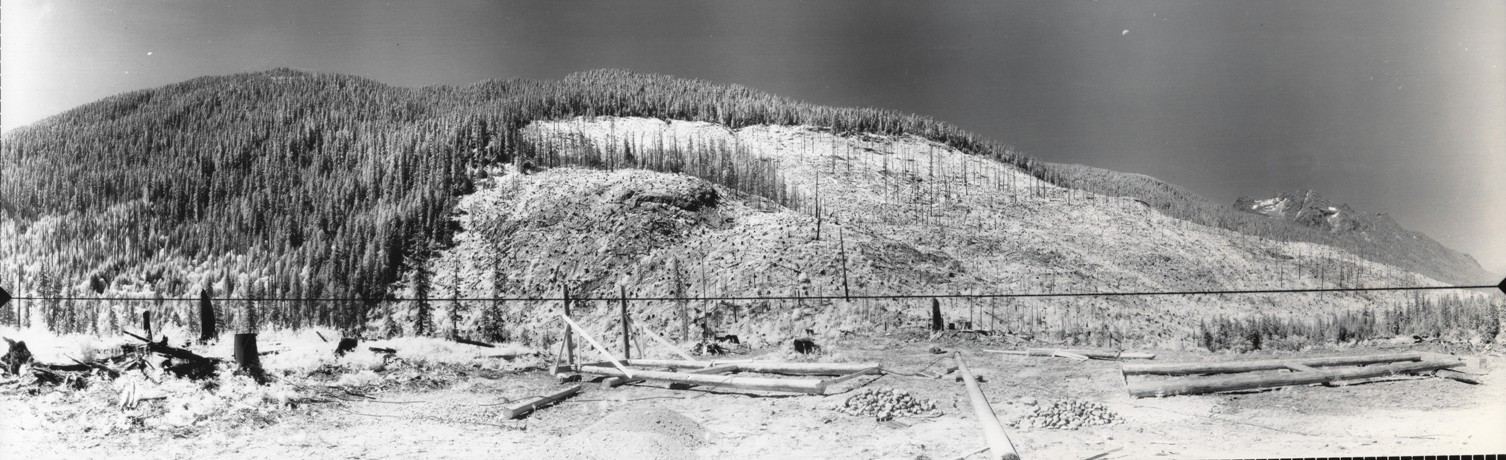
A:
{"points": [[816, 297]]}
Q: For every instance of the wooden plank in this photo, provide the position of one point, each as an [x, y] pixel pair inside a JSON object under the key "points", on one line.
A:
{"points": [[593, 343], [810, 386], [523, 408], [665, 343], [677, 364], [999, 445], [1191, 386], [1264, 365]]}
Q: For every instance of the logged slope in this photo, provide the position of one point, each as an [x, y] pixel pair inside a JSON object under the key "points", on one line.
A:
{"points": [[913, 216]]}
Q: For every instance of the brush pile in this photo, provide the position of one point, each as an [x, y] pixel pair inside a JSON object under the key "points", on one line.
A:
{"points": [[1067, 415], [886, 404], [147, 358]]}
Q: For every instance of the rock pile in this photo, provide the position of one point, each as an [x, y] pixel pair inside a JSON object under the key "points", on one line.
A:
{"points": [[886, 404], [1066, 415]]}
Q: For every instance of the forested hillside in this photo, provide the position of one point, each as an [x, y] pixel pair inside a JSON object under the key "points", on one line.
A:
{"points": [[288, 184]]}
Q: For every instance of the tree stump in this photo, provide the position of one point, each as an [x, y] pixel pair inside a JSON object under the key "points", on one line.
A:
{"points": [[247, 357]]}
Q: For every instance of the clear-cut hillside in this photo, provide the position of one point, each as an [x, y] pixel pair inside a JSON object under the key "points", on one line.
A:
{"points": [[913, 216]]}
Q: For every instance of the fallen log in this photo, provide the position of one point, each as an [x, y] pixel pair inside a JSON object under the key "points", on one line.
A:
{"points": [[761, 367], [868, 371], [1192, 386], [1067, 353], [523, 408], [809, 386], [1264, 365], [999, 445], [1456, 376], [472, 342], [390, 351]]}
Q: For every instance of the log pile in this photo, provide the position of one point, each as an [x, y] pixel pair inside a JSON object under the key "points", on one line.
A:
{"points": [[1300, 372]]}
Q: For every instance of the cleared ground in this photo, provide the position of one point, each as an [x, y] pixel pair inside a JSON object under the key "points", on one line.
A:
{"points": [[455, 416]]}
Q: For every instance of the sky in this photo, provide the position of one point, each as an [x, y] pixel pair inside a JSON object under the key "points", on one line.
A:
{"points": [[1390, 106]]}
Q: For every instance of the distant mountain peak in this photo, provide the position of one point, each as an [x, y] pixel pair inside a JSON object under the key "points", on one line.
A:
{"points": [[1310, 209]]}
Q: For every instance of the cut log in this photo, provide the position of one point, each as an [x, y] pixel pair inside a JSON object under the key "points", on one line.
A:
{"points": [[614, 382], [999, 446], [1264, 365], [713, 370], [383, 350], [1299, 367], [1067, 353], [761, 367], [523, 408], [1192, 386], [810, 386]]}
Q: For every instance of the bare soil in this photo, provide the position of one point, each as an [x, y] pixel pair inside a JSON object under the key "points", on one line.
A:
{"points": [[1403, 415]]}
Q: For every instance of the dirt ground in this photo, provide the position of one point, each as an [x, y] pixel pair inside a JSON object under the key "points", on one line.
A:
{"points": [[1403, 415]]}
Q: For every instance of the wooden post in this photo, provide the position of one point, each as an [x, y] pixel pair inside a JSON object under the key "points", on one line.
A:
{"points": [[146, 323], [569, 340], [523, 408], [207, 330], [627, 333], [1192, 386], [999, 445]]}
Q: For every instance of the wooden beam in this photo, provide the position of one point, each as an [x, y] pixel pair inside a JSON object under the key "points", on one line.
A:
{"points": [[999, 446], [1264, 365], [1299, 367], [523, 408], [1192, 386], [593, 343], [665, 343], [1069, 353], [810, 386], [677, 364], [627, 330]]}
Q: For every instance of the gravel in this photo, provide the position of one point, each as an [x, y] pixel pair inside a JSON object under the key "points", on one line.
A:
{"points": [[886, 404], [1066, 415]]}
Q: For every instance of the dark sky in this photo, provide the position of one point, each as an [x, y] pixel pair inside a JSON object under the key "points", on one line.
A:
{"points": [[1395, 106]]}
